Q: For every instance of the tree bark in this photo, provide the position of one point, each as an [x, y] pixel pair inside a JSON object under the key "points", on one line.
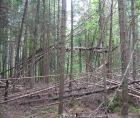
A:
{"points": [[17, 63], [103, 37], [134, 37], [80, 58], [62, 56], [110, 43], [124, 55], [25, 50], [32, 71], [71, 66], [48, 44], [58, 36]]}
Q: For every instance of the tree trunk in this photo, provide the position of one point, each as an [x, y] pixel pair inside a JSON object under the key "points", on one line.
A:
{"points": [[80, 58], [11, 45], [71, 66], [103, 36], [62, 56], [25, 50], [110, 43], [44, 66], [134, 37], [124, 55], [58, 37], [47, 50], [32, 71], [17, 65]]}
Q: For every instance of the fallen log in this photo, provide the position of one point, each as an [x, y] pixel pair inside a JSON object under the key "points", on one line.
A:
{"points": [[76, 94], [65, 96]]}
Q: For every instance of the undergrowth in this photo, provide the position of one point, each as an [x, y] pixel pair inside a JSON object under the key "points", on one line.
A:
{"points": [[116, 105]]}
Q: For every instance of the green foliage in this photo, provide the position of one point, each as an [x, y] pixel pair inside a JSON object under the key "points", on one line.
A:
{"points": [[18, 1], [31, 43], [51, 108], [92, 25], [131, 103], [33, 2], [138, 4], [116, 104], [134, 110], [133, 107]]}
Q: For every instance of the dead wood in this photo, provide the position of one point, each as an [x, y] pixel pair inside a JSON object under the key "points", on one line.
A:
{"points": [[77, 94]]}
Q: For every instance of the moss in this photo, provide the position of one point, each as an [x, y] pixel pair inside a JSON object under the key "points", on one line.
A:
{"points": [[115, 105], [117, 109]]}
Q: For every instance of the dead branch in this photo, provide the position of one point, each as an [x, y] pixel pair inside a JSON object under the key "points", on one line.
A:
{"points": [[78, 94]]}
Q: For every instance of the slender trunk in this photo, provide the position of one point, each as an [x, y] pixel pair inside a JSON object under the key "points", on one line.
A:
{"points": [[17, 66], [32, 82], [44, 40], [3, 75], [134, 37], [110, 43], [62, 56], [48, 44], [58, 37], [103, 36], [55, 56], [87, 54], [80, 58], [124, 55], [11, 45], [71, 66], [25, 50]]}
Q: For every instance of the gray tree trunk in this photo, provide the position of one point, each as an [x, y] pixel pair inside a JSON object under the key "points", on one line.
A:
{"points": [[110, 43], [32, 71], [62, 56], [134, 37], [103, 37], [17, 65], [71, 66], [25, 50], [124, 55], [48, 44], [58, 37]]}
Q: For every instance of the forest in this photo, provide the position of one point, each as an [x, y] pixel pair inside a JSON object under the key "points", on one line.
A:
{"points": [[69, 59]]}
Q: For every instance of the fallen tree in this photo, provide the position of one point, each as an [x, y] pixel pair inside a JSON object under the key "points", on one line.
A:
{"points": [[79, 94]]}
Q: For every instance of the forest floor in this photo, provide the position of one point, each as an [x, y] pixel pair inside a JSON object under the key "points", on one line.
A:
{"points": [[44, 110], [85, 100], [35, 107]]}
